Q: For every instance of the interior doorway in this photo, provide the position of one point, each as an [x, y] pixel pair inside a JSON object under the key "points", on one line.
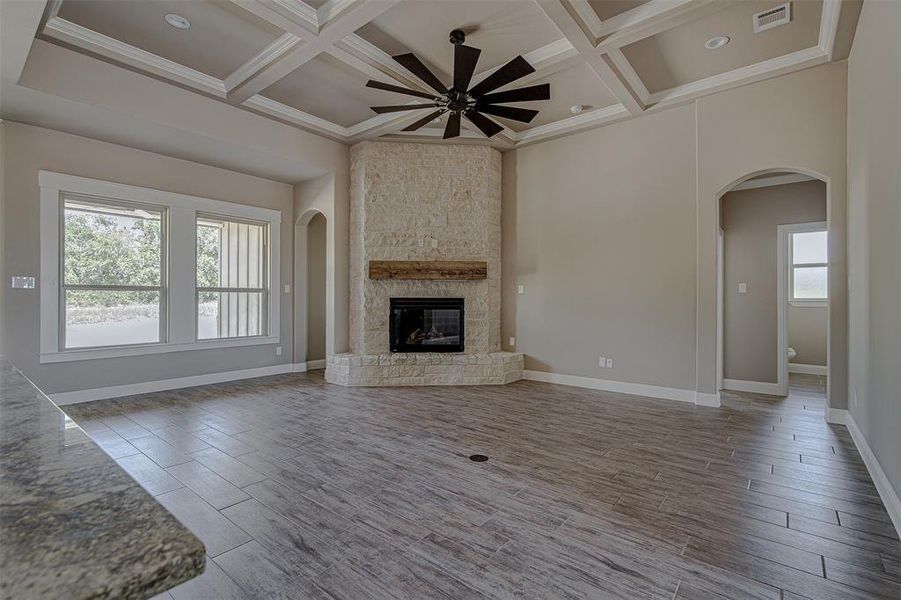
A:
{"points": [[770, 305], [315, 292]]}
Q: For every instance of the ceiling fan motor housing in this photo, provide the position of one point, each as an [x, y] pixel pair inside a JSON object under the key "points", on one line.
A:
{"points": [[457, 37]]}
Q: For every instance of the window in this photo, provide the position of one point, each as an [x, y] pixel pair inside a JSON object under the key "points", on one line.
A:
{"points": [[809, 266], [113, 274], [127, 271], [232, 292]]}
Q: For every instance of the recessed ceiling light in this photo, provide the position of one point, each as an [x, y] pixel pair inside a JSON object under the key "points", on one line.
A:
{"points": [[576, 109], [717, 42], [178, 21]]}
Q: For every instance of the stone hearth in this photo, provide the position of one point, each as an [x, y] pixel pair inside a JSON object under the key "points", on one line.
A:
{"points": [[428, 202]]}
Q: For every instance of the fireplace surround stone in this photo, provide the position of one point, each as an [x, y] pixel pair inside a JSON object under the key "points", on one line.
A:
{"points": [[424, 202]]}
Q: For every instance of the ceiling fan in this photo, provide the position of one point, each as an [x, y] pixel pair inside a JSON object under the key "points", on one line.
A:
{"points": [[462, 101]]}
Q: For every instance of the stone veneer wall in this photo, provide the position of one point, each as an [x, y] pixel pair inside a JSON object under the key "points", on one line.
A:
{"points": [[424, 202]]}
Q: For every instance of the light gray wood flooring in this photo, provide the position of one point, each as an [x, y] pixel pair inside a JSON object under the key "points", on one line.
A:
{"points": [[301, 489]]}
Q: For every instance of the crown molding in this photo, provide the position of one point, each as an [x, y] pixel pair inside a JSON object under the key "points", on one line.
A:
{"points": [[829, 18], [297, 117], [263, 59], [587, 120]]}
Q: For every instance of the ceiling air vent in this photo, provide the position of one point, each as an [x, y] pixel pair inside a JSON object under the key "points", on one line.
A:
{"points": [[773, 17]]}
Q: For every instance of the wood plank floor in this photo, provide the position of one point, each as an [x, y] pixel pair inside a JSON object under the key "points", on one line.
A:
{"points": [[301, 489]]}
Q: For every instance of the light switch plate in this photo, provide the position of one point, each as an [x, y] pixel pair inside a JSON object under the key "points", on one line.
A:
{"points": [[287, 289], [609, 363], [520, 289], [602, 362], [22, 282], [278, 350], [512, 341], [742, 288]]}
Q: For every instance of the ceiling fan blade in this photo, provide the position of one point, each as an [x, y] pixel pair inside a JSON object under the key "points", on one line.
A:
{"points": [[400, 107], [396, 88], [485, 125], [452, 129], [415, 66], [513, 70], [533, 92], [425, 120], [509, 112], [465, 59]]}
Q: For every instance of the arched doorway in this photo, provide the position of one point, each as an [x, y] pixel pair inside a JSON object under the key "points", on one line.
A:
{"points": [[310, 299], [779, 215]]}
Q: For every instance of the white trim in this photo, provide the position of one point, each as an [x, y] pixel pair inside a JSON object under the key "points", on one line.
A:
{"points": [[783, 273], [298, 117], [808, 369], [263, 59], [836, 416], [780, 65], [181, 251], [809, 303], [751, 184], [87, 39], [753, 387], [624, 387], [310, 365], [162, 385], [887, 492], [829, 17], [138, 350], [585, 120]]}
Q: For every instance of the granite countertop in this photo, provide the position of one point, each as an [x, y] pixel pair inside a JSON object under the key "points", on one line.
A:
{"points": [[73, 523]]}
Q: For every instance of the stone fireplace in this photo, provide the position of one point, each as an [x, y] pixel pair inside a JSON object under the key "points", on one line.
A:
{"points": [[424, 203]]}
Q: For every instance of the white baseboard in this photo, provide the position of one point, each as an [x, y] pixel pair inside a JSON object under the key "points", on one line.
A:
{"points": [[883, 485], [837, 416], [117, 391], [624, 387], [753, 387], [310, 365], [808, 369]]}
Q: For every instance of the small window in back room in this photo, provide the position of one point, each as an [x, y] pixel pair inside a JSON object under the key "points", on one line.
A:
{"points": [[232, 278], [809, 266]]}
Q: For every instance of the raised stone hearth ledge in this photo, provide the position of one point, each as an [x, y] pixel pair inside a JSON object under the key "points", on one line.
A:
{"points": [[493, 368]]}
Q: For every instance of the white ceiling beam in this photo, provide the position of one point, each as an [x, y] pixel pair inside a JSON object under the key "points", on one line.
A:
{"points": [[832, 10], [292, 16], [102, 45], [586, 120], [650, 19], [352, 16], [271, 53], [297, 117], [575, 31]]}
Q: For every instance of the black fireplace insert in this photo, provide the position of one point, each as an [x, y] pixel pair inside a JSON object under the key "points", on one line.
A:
{"points": [[426, 325]]}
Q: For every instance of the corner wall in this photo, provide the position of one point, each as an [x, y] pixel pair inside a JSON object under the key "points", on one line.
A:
{"points": [[874, 241], [613, 231]]}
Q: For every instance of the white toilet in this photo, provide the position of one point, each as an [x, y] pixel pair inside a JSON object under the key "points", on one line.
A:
{"points": [[791, 354]]}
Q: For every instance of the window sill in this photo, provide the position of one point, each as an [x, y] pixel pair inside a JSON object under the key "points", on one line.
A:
{"points": [[808, 303], [117, 351]]}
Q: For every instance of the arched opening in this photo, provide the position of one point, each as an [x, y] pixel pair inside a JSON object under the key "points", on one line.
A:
{"points": [[769, 299], [310, 298], [316, 250]]}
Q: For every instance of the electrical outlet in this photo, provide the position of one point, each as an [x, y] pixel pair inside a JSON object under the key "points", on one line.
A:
{"points": [[512, 341], [520, 289], [609, 363], [602, 362], [278, 350], [434, 243], [287, 289], [742, 288], [22, 282]]}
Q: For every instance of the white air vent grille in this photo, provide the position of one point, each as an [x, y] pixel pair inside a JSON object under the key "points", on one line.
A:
{"points": [[773, 17]]}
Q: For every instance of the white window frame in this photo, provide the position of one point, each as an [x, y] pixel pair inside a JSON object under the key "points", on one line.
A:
{"points": [[791, 231], [162, 288], [181, 317]]}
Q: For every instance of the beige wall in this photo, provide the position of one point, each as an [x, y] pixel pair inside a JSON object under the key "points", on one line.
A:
{"points": [[316, 288], [874, 198], [750, 219], [613, 231], [808, 327], [603, 223], [29, 149]]}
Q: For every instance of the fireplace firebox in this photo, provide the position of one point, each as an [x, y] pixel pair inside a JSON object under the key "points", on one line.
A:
{"points": [[426, 325]]}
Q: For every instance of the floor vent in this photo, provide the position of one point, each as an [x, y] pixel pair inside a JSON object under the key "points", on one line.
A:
{"points": [[478, 458], [773, 17]]}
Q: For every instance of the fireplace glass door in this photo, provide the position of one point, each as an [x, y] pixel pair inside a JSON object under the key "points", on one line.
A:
{"points": [[426, 325]]}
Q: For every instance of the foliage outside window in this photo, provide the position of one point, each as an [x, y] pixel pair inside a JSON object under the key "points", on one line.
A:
{"points": [[809, 266], [113, 273], [232, 278]]}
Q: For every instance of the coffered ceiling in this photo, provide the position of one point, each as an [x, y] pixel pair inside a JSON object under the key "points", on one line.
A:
{"points": [[306, 63]]}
